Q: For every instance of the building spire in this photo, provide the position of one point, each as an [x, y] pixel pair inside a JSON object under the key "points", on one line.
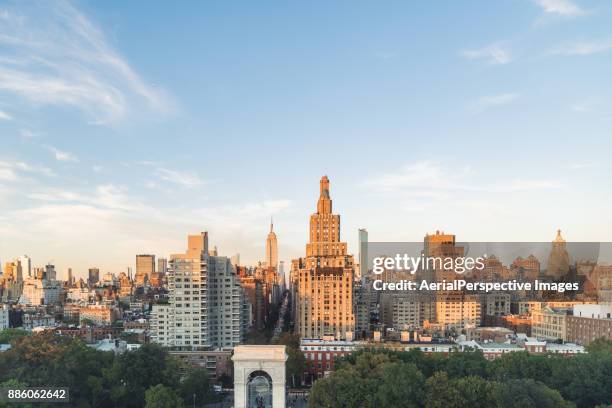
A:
{"points": [[271, 224], [324, 187], [324, 205]]}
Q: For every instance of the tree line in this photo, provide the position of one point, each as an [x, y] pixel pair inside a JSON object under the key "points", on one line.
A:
{"points": [[412, 379], [147, 377]]}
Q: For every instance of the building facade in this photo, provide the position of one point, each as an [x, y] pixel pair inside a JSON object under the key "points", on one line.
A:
{"points": [[93, 276], [145, 267], [98, 314], [272, 249], [37, 292], [207, 307], [456, 309], [324, 278], [588, 323], [4, 317], [549, 324]]}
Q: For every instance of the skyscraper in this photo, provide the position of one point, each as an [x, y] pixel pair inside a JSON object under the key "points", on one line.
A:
{"points": [[440, 245], [50, 272], [157, 278], [272, 248], [281, 274], [323, 280], [93, 276], [235, 259], [26, 265], [363, 254], [207, 305], [558, 259], [188, 319], [145, 267], [162, 265]]}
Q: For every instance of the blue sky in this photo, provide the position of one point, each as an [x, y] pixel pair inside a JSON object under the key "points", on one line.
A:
{"points": [[126, 126]]}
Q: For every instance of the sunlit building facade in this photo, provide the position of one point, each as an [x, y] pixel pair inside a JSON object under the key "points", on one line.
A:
{"points": [[324, 278]]}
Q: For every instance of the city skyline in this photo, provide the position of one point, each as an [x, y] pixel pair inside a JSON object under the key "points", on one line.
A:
{"points": [[493, 125]]}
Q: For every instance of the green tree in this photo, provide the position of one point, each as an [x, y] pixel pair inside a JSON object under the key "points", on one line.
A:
{"points": [[134, 372], [584, 379], [427, 364], [14, 385], [527, 393], [598, 345], [8, 335], [477, 392], [296, 363], [519, 365], [197, 383], [370, 364], [401, 386], [47, 359], [441, 392], [160, 396], [464, 364], [343, 389]]}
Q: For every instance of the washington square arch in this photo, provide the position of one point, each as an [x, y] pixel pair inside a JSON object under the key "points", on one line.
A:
{"points": [[259, 376]]}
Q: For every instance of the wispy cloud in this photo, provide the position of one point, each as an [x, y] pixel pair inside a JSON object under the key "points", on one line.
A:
{"points": [[179, 177], [485, 102], [584, 106], [27, 134], [428, 180], [10, 170], [61, 155], [242, 216], [494, 54], [58, 218], [387, 55], [7, 173], [5, 116], [582, 48], [581, 108], [581, 166], [422, 174], [54, 55], [564, 8]]}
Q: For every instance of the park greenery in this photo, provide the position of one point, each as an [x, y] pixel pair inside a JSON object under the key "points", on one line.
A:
{"points": [[147, 377], [411, 379]]}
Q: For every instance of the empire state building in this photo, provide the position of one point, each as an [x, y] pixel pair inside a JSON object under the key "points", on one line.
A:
{"points": [[322, 282], [272, 249]]}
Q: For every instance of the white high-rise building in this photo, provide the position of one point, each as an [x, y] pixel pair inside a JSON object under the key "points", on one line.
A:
{"points": [[26, 265], [227, 312], [37, 292], [207, 307]]}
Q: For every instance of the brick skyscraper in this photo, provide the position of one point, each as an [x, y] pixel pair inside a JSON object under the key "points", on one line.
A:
{"points": [[323, 280]]}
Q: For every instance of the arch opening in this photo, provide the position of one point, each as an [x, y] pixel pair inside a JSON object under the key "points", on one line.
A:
{"points": [[259, 390]]}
